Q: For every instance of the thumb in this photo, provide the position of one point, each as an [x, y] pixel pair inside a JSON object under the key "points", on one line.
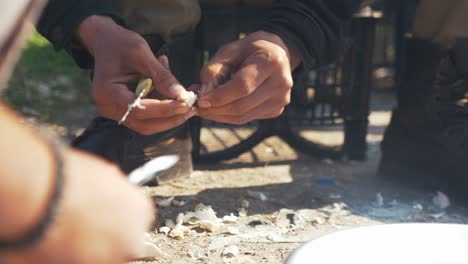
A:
{"points": [[164, 81], [219, 67]]}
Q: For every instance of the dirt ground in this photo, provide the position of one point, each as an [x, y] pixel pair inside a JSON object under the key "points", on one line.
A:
{"points": [[276, 199], [279, 198], [285, 198]]}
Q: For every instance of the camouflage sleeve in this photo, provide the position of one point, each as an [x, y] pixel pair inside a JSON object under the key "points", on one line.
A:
{"points": [[314, 28]]}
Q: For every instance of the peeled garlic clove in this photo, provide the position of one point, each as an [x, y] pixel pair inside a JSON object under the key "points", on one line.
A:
{"points": [[145, 86], [188, 98]]}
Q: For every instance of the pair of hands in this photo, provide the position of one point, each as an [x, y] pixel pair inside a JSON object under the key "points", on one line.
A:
{"points": [[259, 87], [90, 213]]}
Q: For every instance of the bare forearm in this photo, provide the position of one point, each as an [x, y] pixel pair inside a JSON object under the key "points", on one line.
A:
{"points": [[25, 176], [94, 26]]}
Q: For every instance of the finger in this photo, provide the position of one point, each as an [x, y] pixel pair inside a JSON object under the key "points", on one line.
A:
{"points": [[263, 111], [158, 109], [164, 81], [165, 62], [153, 126], [112, 102], [244, 82], [246, 104], [218, 68]]}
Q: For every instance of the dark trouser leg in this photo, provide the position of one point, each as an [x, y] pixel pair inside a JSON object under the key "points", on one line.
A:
{"points": [[427, 140], [407, 148]]}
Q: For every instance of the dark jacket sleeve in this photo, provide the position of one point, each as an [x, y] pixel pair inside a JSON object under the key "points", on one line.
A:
{"points": [[60, 20], [314, 28]]}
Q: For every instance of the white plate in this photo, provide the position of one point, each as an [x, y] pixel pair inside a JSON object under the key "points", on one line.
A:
{"points": [[385, 244]]}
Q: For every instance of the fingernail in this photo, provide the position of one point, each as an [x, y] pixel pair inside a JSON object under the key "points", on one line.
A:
{"points": [[176, 89], [204, 104]]}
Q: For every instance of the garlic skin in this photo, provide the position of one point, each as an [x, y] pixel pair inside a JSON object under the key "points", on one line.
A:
{"points": [[189, 98]]}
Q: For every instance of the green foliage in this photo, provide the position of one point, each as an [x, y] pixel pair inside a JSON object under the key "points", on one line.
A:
{"points": [[46, 83]]}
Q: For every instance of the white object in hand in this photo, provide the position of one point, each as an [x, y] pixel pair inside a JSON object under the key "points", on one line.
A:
{"points": [[189, 98]]}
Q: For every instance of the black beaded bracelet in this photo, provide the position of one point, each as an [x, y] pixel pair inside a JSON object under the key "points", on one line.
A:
{"points": [[37, 232]]}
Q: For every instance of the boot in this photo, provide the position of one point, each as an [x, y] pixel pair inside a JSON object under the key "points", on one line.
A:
{"points": [[130, 150], [449, 107], [427, 143], [408, 149]]}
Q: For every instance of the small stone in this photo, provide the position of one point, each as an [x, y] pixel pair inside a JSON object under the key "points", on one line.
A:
{"points": [[209, 226], [257, 223], [232, 230], [230, 251], [169, 223], [441, 200], [151, 251], [245, 204], [274, 237], [178, 232], [437, 216], [195, 253], [334, 196], [418, 207], [199, 207], [178, 203], [217, 243], [318, 221], [257, 195], [379, 200], [230, 219], [180, 219], [164, 230], [204, 216], [165, 203], [242, 212]]}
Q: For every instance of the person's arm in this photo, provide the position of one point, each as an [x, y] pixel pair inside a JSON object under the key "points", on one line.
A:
{"points": [[60, 21], [298, 31], [95, 36], [26, 177], [97, 218], [312, 27]]}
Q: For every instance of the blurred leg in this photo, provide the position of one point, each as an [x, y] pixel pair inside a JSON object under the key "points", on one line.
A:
{"points": [[426, 142]]}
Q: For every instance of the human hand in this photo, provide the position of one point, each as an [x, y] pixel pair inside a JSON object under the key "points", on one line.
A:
{"points": [[122, 57], [260, 85], [100, 218]]}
